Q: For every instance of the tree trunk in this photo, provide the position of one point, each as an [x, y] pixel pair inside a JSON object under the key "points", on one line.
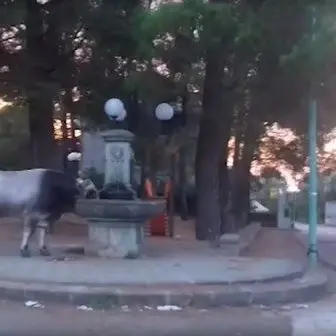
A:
{"points": [[182, 184], [41, 48], [182, 161], [170, 200], [242, 168], [225, 183], [224, 193], [42, 132], [236, 208], [208, 220], [209, 149], [243, 186]]}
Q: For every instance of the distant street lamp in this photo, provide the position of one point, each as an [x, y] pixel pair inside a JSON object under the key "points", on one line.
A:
{"points": [[164, 112], [115, 109]]}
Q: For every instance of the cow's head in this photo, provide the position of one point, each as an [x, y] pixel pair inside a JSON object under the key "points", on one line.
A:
{"points": [[85, 186]]}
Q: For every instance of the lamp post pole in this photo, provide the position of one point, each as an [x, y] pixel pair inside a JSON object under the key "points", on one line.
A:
{"points": [[312, 202]]}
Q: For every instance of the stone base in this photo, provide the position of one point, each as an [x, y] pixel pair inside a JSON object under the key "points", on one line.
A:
{"points": [[202, 283], [237, 243], [114, 238]]}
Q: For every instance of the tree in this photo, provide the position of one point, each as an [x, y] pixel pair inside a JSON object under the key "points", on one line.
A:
{"points": [[48, 53], [248, 60], [242, 63]]}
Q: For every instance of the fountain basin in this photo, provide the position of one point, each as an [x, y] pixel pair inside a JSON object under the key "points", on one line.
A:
{"points": [[116, 227]]}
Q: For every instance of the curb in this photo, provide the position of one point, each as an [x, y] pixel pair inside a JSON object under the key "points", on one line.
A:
{"points": [[310, 287], [247, 236]]}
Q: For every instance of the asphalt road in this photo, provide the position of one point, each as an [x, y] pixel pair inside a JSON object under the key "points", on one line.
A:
{"points": [[16, 319]]}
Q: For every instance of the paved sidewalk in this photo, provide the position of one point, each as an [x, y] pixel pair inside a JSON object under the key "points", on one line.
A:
{"points": [[198, 270], [181, 272], [326, 239], [72, 231], [276, 243]]}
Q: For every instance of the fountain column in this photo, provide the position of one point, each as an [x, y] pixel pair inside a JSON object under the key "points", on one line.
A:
{"points": [[116, 223], [116, 220], [118, 236], [118, 156]]}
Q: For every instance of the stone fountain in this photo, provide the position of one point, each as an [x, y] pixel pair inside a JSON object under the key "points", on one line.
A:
{"points": [[116, 219]]}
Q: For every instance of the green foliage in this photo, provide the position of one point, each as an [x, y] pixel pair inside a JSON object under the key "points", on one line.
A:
{"points": [[266, 46], [311, 54]]}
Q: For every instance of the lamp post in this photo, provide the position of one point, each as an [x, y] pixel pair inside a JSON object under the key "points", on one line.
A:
{"points": [[165, 112], [312, 202]]}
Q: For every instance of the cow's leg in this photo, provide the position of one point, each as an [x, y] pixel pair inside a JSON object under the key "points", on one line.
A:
{"points": [[28, 231], [43, 227]]}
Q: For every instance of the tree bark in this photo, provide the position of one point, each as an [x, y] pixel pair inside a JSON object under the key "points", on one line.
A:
{"points": [[225, 185], [242, 168], [224, 193], [182, 183], [208, 220], [239, 132], [41, 132], [242, 193], [41, 49], [209, 150]]}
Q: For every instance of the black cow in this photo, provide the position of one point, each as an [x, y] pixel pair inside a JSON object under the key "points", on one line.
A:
{"points": [[41, 197]]}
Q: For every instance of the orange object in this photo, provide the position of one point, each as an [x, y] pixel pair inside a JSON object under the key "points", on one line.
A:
{"points": [[159, 225], [149, 188]]}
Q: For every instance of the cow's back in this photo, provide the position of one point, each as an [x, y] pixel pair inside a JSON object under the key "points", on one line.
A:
{"points": [[18, 190], [35, 190]]}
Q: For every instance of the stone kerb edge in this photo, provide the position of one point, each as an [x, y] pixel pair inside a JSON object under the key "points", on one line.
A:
{"points": [[248, 235], [309, 288], [239, 242]]}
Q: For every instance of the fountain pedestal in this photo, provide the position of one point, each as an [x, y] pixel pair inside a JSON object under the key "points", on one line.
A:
{"points": [[116, 224], [116, 227]]}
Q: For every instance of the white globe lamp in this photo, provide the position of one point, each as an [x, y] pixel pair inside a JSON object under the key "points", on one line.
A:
{"points": [[164, 112], [115, 109], [122, 115]]}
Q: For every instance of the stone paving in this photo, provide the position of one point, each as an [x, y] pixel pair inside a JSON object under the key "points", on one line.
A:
{"points": [[326, 238], [275, 243], [286, 320], [183, 260], [72, 232], [154, 271], [177, 271]]}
